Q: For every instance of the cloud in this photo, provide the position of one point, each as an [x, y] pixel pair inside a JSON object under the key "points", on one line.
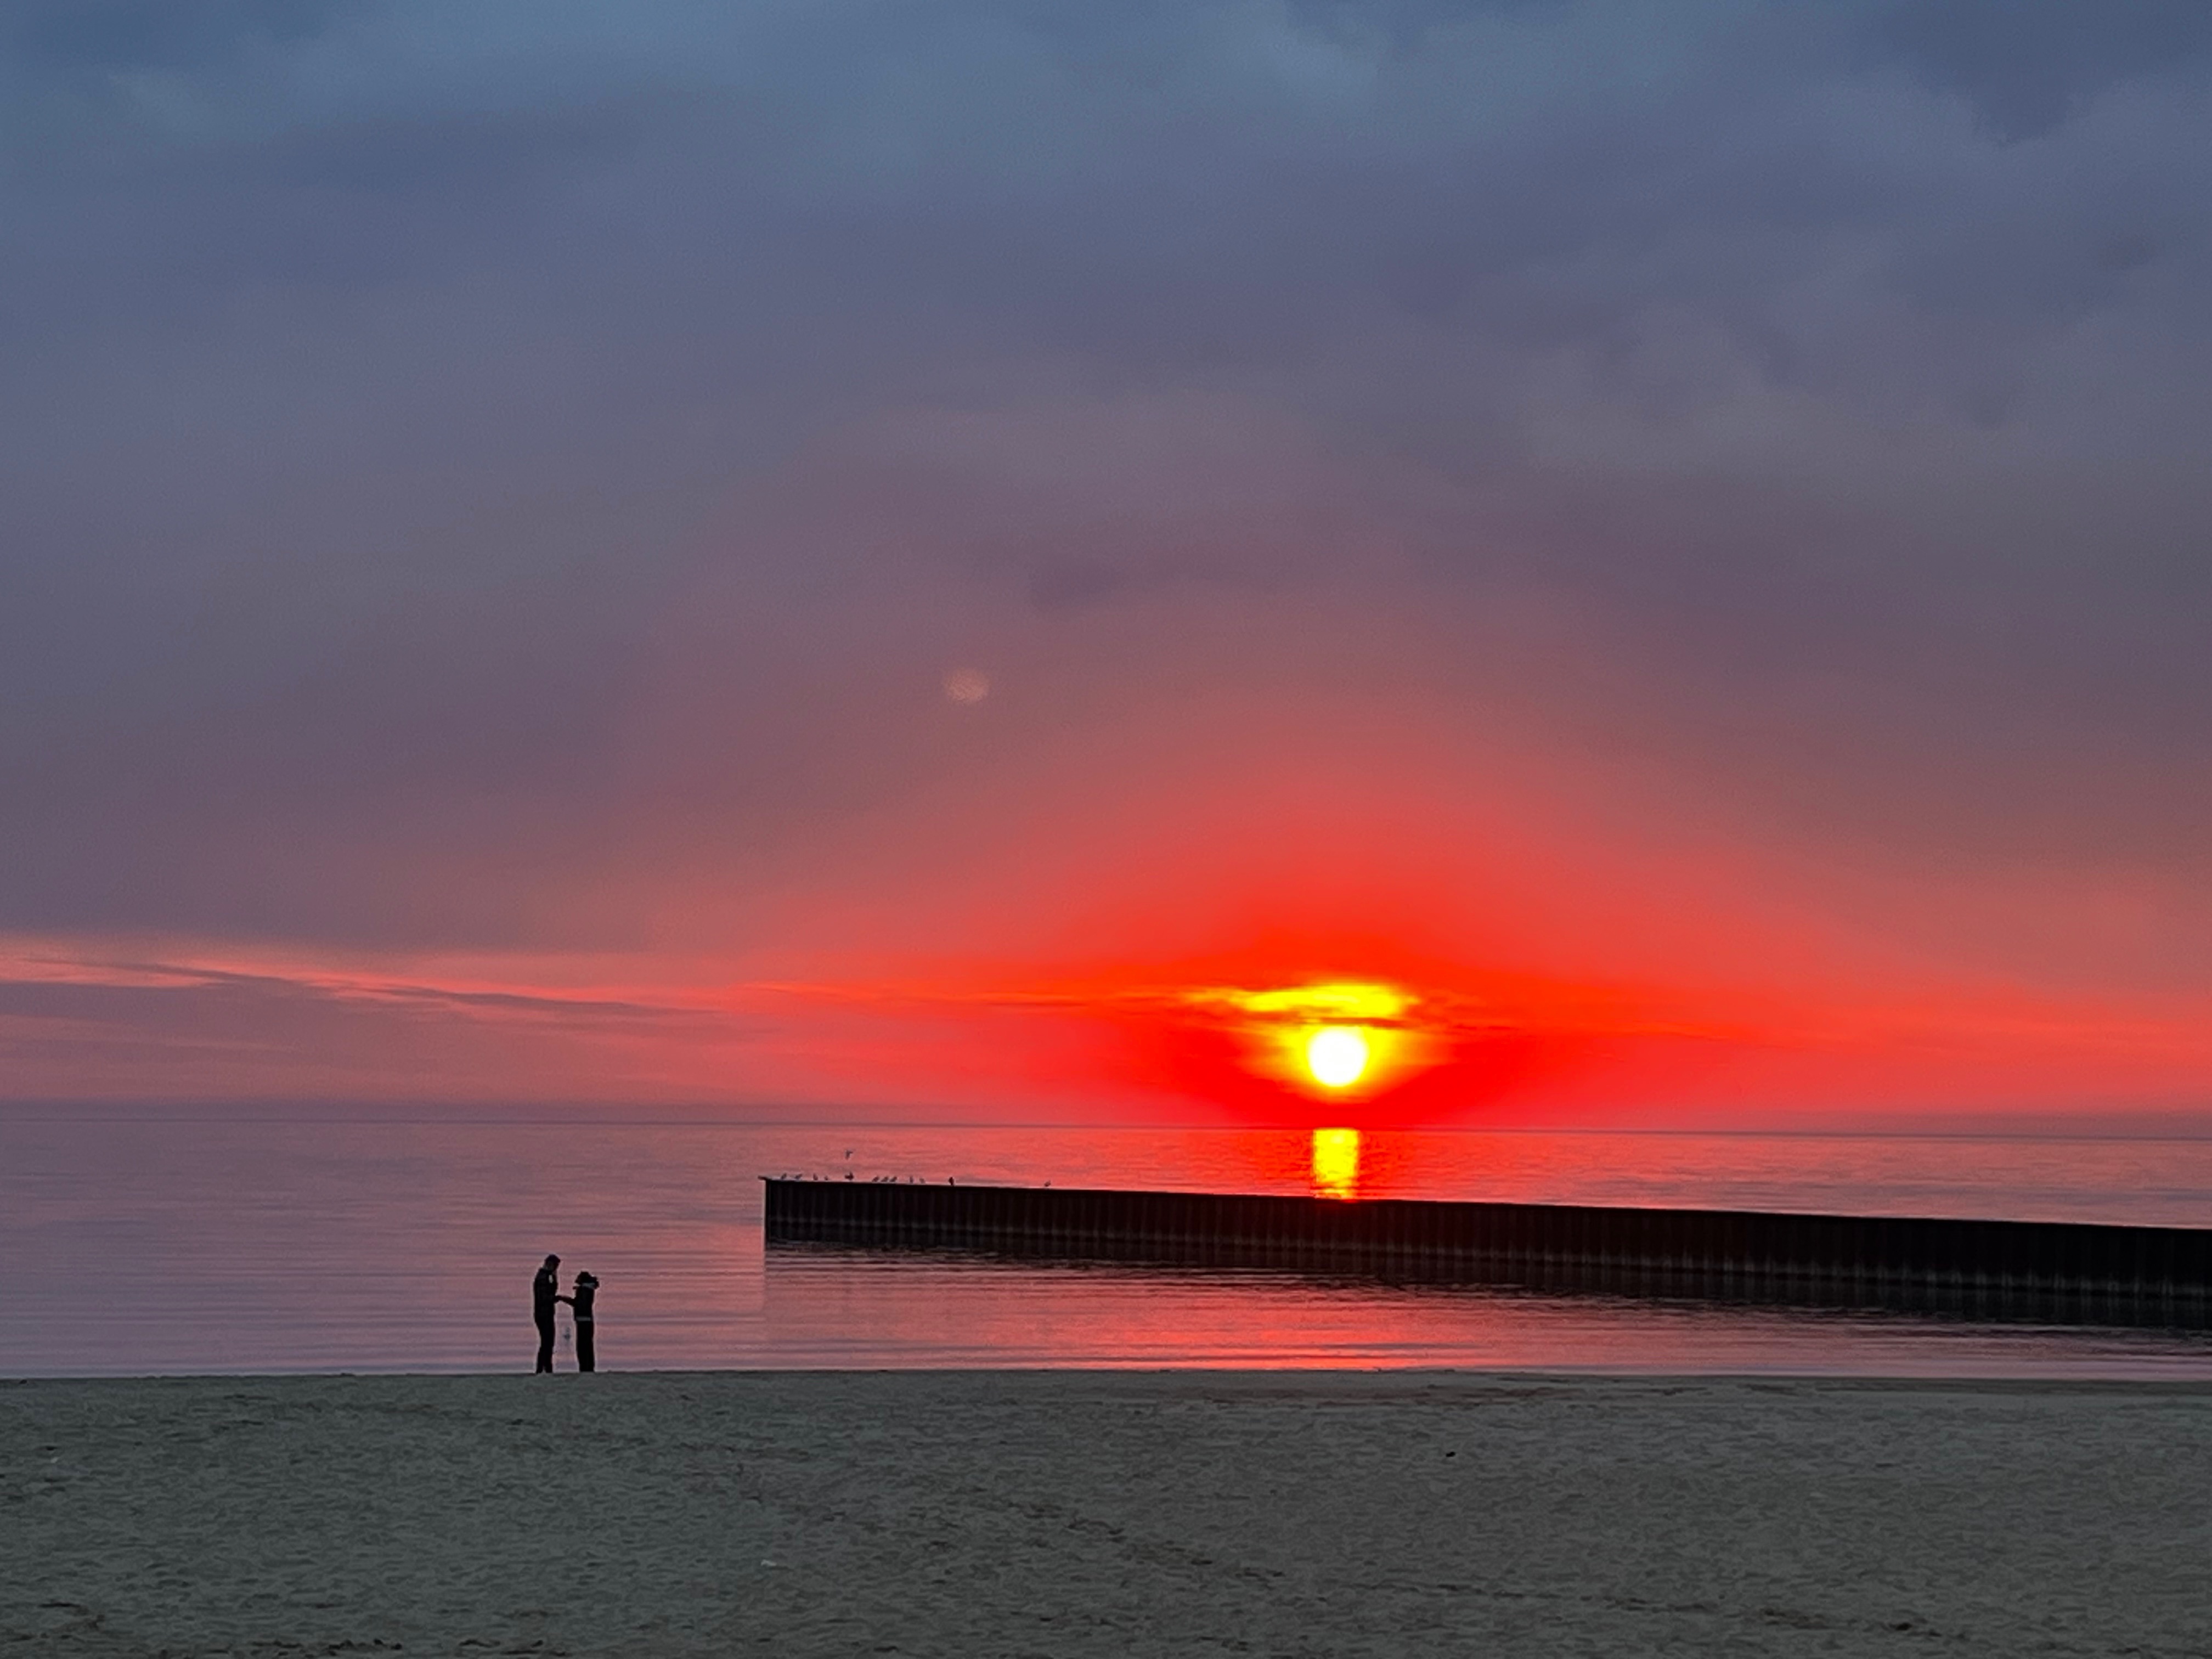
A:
{"points": [[515, 477], [2028, 67]]}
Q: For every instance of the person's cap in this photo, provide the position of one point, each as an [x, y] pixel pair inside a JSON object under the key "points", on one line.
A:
{"points": [[551, 1259]]}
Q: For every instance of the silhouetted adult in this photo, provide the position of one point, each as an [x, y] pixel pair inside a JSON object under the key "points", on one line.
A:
{"points": [[545, 1291], [586, 1288]]}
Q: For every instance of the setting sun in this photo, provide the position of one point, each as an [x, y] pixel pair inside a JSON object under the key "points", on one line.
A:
{"points": [[1336, 1039], [1337, 1055]]}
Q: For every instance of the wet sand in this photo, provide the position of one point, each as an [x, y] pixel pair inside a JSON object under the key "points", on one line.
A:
{"points": [[966, 1514]]}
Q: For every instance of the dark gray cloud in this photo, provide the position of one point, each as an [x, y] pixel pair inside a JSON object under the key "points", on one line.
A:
{"points": [[2027, 65], [399, 399], [99, 37]]}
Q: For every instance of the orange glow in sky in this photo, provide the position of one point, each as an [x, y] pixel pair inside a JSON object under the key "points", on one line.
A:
{"points": [[1329, 1039]]}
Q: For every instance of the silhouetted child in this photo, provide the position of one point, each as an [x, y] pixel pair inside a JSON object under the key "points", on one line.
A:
{"points": [[586, 1287], [545, 1291]]}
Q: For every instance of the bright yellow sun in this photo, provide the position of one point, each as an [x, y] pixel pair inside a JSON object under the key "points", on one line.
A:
{"points": [[1337, 1055]]}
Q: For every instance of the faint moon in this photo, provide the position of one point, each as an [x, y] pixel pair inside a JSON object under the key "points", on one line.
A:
{"points": [[967, 685]]}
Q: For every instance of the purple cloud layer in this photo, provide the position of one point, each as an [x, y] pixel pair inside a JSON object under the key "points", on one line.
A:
{"points": [[470, 467]]}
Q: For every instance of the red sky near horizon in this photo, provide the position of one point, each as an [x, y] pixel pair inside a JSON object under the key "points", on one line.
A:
{"points": [[1083, 942]]}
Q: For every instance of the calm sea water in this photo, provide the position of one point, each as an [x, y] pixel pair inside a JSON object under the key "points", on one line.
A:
{"points": [[167, 1243]]}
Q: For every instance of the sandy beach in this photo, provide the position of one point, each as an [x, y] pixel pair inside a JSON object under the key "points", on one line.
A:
{"points": [[1079, 1513]]}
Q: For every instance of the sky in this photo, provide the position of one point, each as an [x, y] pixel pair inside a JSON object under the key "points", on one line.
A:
{"points": [[928, 559]]}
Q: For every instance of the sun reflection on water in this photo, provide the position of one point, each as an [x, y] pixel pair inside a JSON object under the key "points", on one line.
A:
{"points": [[1336, 1162]]}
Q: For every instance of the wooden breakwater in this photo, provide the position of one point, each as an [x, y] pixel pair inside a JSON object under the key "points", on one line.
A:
{"points": [[2059, 1272]]}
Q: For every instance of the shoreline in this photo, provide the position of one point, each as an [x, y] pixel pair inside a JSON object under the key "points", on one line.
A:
{"points": [[1837, 1380], [1044, 1512]]}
